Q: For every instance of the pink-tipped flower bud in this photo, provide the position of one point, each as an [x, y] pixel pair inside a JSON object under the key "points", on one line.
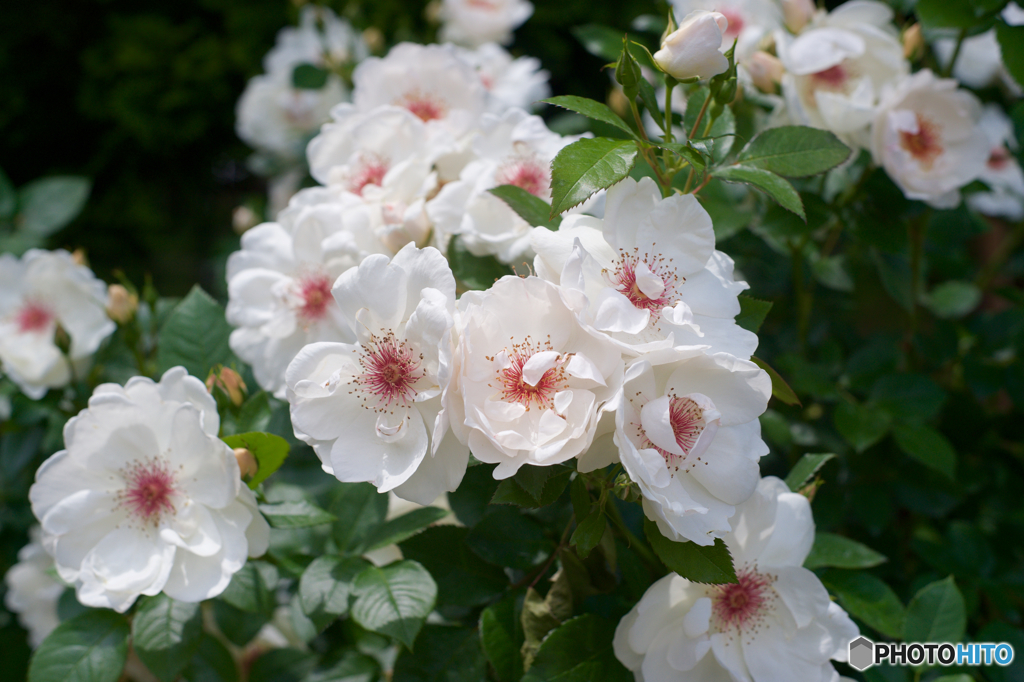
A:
{"points": [[796, 13], [694, 49], [765, 70], [121, 304]]}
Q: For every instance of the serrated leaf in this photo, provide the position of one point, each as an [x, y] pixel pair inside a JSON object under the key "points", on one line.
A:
{"points": [[936, 614], [269, 450], [591, 109], [194, 336], [463, 578], [710, 564], [501, 637], [532, 486], [753, 311], [506, 537], [48, 204], [775, 186], [589, 532], [530, 208], [587, 166], [91, 647], [443, 654], [394, 600], [360, 509], [166, 634], [295, 514], [861, 425], [403, 527], [579, 650], [475, 272], [794, 151], [869, 599], [309, 77], [780, 389], [805, 469], [927, 446], [836, 551], [327, 585]]}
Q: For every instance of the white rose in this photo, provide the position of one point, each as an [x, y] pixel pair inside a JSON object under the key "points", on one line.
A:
{"points": [[688, 434], [334, 40], [776, 623], [373, 410], [475, 22], [694, 49], [528, 382], [1002, 172], [33, 591], [38, 293], [926, 135], [145, 498], [509, 82]]}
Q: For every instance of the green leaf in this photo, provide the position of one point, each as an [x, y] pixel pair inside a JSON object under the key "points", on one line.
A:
{"points": [[463, 578], [326, 586], [861, 425], [693, 153], [600, 41], [211, 663], [295, 514], [776, 187], [394, 600], [471, 501], [954, 299], [794, 151], [309, 77], [580, 650], [587, 166], [507, 538], [869, 599], [269, 450], [927, 446], [580, 497], [839, 552], [752, 312], [443, 654], [805, 470], [541, 615], [1011, 46], [48, 204], [936, 614], [195, 336], [248, 591], [8, 197], [165, 634], [780, 389], [588, 532], [238, 626], [501, 636], [353, 666], [590, 109], [282, 665], [831, 272], [894, 273], [360, 509], [533, 486], [710, 564], [475, 272], [650, 100], [91, 647], [530, 208], [403, 527], [908, 397], [945, 14]]}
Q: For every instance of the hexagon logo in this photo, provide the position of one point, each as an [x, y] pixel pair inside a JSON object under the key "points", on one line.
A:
{"points": [[862, 653]]}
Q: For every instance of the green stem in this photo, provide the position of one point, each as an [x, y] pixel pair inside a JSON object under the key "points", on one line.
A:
{"points": [[650, 157], [634, 542], [700, 115], [956, 53], [803, 299]]}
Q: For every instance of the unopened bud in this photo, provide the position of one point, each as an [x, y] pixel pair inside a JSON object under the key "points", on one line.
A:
{"points": [[625, 489], [728, 92], [246, 462], [374, 39], [433, 11], [228, 381], [243, 218], [913, 42], [693, 50], [627, 73], [78, 256], [796, 14], [765, 70], [121, 303]]}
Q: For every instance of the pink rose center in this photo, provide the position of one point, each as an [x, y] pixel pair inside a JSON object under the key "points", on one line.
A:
{"points": [[685, 416], [832, 78], [515, 388], [33, 317], [742, 605], [525, 172], [625, 281], [370, 171], [926, 144], [391, 370], [315, 293], [425, 106], [999, 158], [150, 491]]}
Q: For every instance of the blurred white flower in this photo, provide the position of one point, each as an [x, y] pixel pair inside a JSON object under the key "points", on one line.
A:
{"points": [[650, 273], [688, 434], [145, 498], [509, 82], [1002, 173], [694, 49], [777, 623], [926, 136], [838, 67], [33, 589], [321, 39], [528, 382], [475, 22], [373, 410], [43, 295]]}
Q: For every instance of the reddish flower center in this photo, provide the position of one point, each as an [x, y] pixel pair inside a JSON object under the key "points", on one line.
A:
{"points": [[315, 293], [686, 418], [742, 605], [625, 281], [391, 370], [425, 106], [525, 172], [736, 23], [370, 171], [150, 490], [925, 145], [999, 158], [832, 78], [483, 4], [515, 388], [33, 317]]}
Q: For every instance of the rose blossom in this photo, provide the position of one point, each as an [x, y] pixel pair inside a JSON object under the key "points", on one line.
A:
{"points": [[33, 591], [693, 49], [475, 22]]}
